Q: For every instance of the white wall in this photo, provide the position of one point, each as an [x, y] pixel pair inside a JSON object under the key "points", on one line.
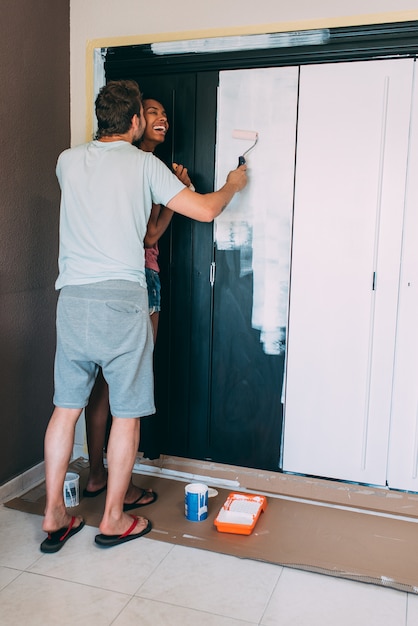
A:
{"points": [[101, 23]]}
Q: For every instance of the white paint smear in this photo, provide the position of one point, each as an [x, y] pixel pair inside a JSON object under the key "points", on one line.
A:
{"points": [[258, 220]]}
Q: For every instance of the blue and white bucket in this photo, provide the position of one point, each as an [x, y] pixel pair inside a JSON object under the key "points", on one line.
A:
{"points": [[196, 502]]}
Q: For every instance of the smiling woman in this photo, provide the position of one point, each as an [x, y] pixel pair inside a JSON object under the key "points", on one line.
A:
{"points": [[157, 125]]}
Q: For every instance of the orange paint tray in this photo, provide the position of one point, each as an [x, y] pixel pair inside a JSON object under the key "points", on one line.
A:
{"points": [[239, 513]]}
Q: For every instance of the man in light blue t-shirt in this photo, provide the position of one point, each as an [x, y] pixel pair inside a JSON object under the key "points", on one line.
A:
{"points": [[107, 190]]}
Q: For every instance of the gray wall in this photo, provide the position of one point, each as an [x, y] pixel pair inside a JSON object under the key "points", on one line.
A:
{"points": [[35, 127]]}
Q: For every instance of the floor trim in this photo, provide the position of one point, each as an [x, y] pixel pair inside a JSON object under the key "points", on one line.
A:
{"points": [[22, 483], [351, 495]]}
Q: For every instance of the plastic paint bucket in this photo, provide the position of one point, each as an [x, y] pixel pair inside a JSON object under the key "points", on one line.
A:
{"points": [[71, 489], [196, 502]]}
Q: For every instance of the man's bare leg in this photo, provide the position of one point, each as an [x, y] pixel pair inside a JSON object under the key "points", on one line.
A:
{"points": [[59, 442], [121, 453]]}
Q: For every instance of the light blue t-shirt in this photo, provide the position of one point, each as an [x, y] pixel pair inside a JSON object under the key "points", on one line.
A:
{"points": [[107, 190]]}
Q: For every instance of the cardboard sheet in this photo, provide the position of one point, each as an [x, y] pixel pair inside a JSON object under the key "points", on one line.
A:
{"points": [[353, 544]]}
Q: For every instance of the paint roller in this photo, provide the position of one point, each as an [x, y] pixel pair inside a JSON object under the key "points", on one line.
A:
{"points": [[247, 135]]}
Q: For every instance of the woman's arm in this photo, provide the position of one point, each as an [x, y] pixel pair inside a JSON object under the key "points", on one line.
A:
{"points": [[159, 221]]}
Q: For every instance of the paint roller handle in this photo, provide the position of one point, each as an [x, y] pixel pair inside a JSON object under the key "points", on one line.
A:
{"points": [[247, 135]]}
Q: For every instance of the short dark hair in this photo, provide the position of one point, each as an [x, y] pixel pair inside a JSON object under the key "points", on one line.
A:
{"points": [[116, 104]]}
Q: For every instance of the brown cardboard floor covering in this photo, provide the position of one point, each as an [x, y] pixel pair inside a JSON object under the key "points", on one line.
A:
{"points": [[344, 543]]}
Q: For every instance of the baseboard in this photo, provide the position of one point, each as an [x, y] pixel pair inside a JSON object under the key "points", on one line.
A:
{"points": [[34, 476], [22, 483], [337, 493], [334, 492]]}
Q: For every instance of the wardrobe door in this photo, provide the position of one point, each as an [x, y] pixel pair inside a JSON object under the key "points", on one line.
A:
{"points": [[352, 148], [403, 451], [253, 239]]}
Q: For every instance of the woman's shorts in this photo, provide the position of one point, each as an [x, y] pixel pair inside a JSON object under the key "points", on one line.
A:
{"points": [[154, 290], [105, 325]]}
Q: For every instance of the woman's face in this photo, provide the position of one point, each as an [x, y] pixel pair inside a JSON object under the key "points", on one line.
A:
{"points": [[156, 121]]}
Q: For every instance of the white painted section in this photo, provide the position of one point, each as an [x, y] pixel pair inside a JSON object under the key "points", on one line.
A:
{"points": [[352, 149], [242, 42], [258, 220], [403, 452], [99, 80]]}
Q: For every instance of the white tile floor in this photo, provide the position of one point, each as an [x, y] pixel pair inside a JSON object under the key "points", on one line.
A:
{"points": [[148, 582]]}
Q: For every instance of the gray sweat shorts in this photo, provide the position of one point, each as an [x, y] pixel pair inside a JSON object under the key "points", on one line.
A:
{"points": [[105, 325]]}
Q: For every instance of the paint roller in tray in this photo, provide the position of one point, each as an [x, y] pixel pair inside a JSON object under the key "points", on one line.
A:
{"points": [[247, 135]]}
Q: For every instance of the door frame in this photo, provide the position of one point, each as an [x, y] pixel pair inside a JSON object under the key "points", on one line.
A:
{"points": [[352, 43]]}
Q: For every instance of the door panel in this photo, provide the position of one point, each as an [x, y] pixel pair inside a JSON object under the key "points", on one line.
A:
{"points": [[403, 450], [252, 266], [246, 409], [350, 179]]}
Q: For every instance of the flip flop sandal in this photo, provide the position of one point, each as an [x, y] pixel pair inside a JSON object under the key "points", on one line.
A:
{"points": [[107, 541], [93, 494], [137, 504], [58, 538]]}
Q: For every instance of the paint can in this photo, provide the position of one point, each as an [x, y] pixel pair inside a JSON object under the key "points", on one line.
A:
{"points": [[71, 489], [196, 502]]}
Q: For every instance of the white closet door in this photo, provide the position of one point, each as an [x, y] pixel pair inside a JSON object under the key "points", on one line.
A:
{"points": [[350, 180], [403, 451]]}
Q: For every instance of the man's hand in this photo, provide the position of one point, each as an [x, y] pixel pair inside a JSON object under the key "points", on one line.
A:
{"points": [[238, 177]]}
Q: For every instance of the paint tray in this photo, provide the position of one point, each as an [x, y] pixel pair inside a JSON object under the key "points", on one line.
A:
{"points": [[240, 513]]}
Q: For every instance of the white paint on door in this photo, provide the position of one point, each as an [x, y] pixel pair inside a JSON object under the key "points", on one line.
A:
{"points": [[258, 220]]}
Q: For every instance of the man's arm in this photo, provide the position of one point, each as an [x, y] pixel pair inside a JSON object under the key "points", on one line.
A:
{"points": [[205, 207]]}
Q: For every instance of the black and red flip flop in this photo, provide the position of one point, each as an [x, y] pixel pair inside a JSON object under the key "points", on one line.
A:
{"points": [[58, 538], [107, 541]]}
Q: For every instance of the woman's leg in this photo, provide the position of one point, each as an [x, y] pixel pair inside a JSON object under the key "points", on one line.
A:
{"points": [[97, 414]]}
